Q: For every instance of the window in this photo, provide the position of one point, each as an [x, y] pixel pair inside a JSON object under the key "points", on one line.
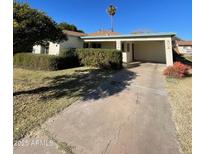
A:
{"points": [[85, 45], [123, 47], [93, 45], [96, 45]]}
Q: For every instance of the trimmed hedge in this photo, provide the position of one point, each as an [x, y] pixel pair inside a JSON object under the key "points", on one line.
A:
{"points": [[102, 58], [45, 62], [68, 53]]}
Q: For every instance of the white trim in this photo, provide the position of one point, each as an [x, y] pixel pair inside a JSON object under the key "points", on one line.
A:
{"points": [[168, 52], [118, 45], [128, 39]]}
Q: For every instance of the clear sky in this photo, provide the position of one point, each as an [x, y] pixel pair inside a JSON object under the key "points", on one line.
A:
{"points": [[132, 15]]}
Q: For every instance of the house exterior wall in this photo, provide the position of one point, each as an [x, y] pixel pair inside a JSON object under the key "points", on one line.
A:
{"points": [[150, 51], [124, 57], [127, 53], [54, 48], [37, 49], [168, 51], [108, 45], [124, 53], [157, 49], [72, 42]]}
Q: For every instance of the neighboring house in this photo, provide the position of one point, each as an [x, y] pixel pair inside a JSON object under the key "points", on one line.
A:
{"points": [[184, 47], [150, 47]]}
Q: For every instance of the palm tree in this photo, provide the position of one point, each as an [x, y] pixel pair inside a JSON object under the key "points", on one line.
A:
{"points": [[111, 10]]}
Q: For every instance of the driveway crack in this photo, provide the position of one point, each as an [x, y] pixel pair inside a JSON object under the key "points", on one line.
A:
{"points": [[107, 146], [62, 146]]}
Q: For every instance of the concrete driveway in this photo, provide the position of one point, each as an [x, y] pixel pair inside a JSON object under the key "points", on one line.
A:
{"points": [[129, 114]]}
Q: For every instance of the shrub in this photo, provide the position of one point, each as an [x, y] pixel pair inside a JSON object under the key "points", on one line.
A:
{"points": [[44, 62], [178, 70], [102, 58], [68, 52]]}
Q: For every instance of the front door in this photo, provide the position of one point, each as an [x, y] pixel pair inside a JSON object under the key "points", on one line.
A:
{"points": [[133, 51]]}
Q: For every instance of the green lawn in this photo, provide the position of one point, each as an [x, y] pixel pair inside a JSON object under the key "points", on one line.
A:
{"points": [[39, 95], [180, 91]]}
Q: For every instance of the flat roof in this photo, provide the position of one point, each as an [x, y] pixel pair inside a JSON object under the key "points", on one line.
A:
{"points": [[162, 34]]}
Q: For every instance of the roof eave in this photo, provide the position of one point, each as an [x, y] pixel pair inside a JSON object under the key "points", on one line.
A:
{"points": [[128, 36]]}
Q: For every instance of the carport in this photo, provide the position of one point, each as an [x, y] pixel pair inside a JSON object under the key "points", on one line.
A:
{"points": [[151, 47], [145, 51]]}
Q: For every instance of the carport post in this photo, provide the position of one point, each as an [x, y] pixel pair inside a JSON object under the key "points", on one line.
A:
{"points": [[168, 52], [118, 45], [124, 54]]}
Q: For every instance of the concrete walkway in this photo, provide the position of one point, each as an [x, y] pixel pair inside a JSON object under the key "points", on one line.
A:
{"points": [[129, 114]]}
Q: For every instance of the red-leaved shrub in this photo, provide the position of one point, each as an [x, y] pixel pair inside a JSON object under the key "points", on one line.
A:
{"points": [[178, 70]]}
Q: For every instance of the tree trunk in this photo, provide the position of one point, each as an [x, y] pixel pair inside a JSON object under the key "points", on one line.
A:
{"points": [[112, 29]]}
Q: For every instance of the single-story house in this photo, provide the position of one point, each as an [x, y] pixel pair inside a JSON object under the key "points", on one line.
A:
{"points": [[184, 47], [151, 47]]}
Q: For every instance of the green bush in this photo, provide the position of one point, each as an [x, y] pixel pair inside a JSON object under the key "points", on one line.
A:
{"points": [[44, 62], [68, 52], [102, 58]]}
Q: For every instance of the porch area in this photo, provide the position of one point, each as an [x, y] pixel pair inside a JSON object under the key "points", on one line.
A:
{"points": [[141, 50]]}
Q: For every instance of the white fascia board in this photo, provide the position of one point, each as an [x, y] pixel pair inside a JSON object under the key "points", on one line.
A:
{"points": [[128, 39]]}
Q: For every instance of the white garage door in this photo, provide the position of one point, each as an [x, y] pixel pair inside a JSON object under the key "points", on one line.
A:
{"points": [[153, 51]]}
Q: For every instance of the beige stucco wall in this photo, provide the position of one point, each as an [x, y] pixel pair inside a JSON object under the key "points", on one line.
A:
{"points": [[124, 57], [150, 51], [37, 49], [53, 48], [72, 42], [108, 45], [127, 55], [168, 51], [119, 47]]}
